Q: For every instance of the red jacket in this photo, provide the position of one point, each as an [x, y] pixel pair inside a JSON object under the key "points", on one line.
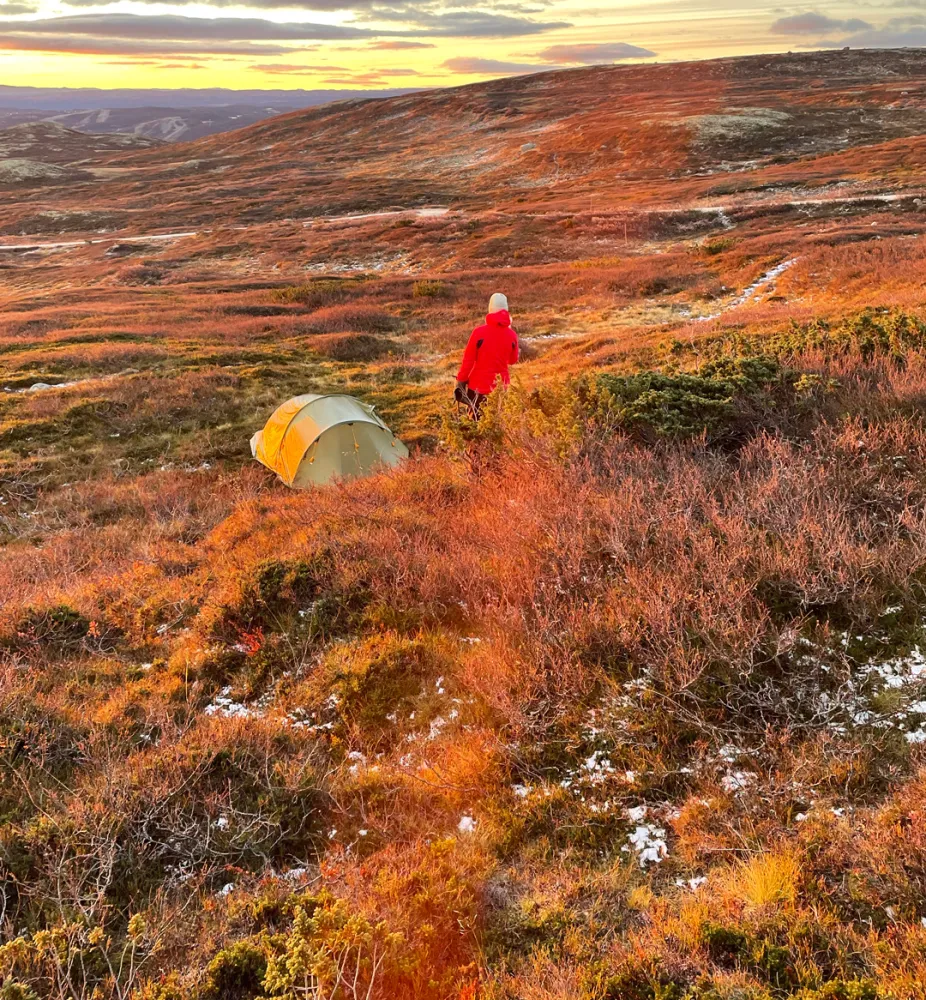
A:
{"points": [[491, 349]]}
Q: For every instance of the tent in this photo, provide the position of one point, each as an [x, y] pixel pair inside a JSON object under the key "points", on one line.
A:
{"points": [[311, 440]]}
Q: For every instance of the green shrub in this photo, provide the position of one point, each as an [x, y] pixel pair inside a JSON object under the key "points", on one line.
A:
{"points": [[840, 989], [373, 680], [320, 292], [340, 952], [165, 987], [17, 991], [870, 333], [643, 981], [236, 973], [275, 592], [429, 289], [59, 628], [726, 945], [723, 398], [271, 911], [522, 928], [731, 948], [353, 346], [716, 246]]}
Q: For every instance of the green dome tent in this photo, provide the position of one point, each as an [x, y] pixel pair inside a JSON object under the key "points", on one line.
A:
{"points": [[311, 440]]}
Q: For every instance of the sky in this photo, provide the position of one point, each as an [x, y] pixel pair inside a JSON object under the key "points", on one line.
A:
{"points": [[377, 44]]}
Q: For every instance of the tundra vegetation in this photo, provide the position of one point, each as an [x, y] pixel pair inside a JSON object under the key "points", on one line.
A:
{"points": [[619, 694]]}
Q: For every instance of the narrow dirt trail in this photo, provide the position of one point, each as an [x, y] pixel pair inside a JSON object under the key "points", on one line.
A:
{"points": [[761, 283]]}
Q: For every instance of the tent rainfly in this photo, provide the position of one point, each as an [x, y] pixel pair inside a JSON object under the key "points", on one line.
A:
{"points": [[311, 440]]}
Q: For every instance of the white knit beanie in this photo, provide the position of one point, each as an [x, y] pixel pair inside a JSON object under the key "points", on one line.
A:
{"points": [[498, 302]]}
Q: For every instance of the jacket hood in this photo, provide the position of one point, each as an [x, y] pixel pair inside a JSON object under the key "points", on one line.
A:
{"points": [[500, 318]]}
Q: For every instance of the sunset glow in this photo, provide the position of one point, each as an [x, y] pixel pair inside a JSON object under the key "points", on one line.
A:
{"points": [[363, 44]]}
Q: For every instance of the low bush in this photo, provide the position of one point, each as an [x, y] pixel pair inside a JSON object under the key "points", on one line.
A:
{"points": [[317, 293], [236, 973], [892, 334], [723, 399], [256, 309], [271, 594], [430, 288], [59, 628], [377, 684], [718, 245], [353, 347], [646, 278], [728, 401], [868, 334], [141, 274], [351, 318]]}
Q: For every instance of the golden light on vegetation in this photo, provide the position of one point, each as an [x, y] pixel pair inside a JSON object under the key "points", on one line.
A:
{"points": [[766, 880], [615, 695]]}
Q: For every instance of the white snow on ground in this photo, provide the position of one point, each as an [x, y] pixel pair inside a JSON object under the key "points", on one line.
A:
{"points": [[737, 781], [691, 883], [646, 840], [44, 386], [106, 239], [224, 705], [856, 702], [901, 670], [599, 767], [421, 213]]}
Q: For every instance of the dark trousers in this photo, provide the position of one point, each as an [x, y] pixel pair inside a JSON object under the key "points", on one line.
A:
{"points": [[471, 399]]}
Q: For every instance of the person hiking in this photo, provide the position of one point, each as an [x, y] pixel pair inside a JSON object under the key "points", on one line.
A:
{"points": [[492, 347]]}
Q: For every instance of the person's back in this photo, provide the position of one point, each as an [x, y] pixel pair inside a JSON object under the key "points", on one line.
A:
{"points": [[492, 347]]}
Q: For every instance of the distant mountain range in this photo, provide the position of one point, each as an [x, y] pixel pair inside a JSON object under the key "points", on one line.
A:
{"points": [[170, 115]]}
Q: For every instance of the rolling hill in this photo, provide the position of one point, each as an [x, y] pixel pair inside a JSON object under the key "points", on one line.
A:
{"points": [[168, 115], [620, 693]]}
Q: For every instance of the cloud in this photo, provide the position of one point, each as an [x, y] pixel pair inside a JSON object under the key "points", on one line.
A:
{"points": [[285, 68], [815, 24], [423, 17], [399, 46], [10, 9], [368, 80], [172, 35], [472, 65], [177, 27], [18, 42], [588, 55], [164, 34], [881, 38], [317, 5], [908, 32], [518, 8], [462, 23]]}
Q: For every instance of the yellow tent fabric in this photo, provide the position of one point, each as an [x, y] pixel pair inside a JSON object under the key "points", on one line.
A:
{"points": [[311, 440]]}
